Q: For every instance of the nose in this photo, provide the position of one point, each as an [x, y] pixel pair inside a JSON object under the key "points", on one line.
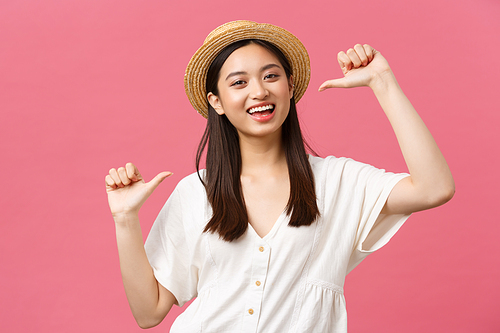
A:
{"points": [[258, 90]]}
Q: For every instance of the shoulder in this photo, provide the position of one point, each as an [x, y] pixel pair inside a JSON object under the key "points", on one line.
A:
{"points": [[192, 181], [187, 205], [324, 166], [317, 161], [339, 164], [348, 172], [189, 194], [191, 185]]}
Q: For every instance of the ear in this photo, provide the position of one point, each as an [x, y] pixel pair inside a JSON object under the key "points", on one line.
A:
{"points": [[215, 103], [291, 86]]}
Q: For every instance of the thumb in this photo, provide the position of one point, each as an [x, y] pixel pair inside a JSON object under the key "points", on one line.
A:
{"points": [[336, 83], [153, 184]]}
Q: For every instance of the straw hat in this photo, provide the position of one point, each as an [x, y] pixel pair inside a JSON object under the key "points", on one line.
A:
{"points": [[226, 34]]}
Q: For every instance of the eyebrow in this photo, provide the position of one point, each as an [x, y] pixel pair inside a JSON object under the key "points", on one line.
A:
{"points": [[266, 67]]}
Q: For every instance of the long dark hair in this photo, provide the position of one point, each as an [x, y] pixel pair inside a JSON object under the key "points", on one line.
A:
{"points": [[223, 161]]}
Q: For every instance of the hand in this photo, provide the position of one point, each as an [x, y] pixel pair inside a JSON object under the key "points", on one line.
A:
{"points": [[127, 190], [362, 66]]}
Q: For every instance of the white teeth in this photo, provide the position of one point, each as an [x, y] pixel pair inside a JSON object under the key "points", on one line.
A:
{"points": [[261, 108]]}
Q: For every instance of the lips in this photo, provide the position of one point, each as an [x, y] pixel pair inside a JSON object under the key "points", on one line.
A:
{"points": [[262, 113], [262, 109]]}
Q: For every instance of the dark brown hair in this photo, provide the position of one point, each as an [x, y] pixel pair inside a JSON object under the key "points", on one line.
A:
{"points": [[223, 161]]}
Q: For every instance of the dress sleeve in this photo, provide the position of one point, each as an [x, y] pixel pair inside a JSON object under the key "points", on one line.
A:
{"points": [[372, 187], [169, 248]]}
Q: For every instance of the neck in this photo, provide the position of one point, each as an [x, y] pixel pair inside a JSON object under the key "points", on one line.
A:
{"points": [[262, 155]]}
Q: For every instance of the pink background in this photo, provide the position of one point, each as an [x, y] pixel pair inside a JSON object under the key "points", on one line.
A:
{"points": [[90, 85]]}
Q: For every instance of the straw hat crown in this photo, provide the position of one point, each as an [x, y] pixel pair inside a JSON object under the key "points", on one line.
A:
{"points": [[228, 33]]}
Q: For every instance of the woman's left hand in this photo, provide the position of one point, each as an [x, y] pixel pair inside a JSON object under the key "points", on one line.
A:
{"points": [[430, 183], [362, 66]]}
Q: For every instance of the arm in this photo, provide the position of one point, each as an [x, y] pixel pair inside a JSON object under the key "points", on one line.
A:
{"points": [[149, 301], [430, 183]]}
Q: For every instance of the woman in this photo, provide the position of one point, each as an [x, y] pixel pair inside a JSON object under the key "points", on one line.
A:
{"points": [[264, 237]]}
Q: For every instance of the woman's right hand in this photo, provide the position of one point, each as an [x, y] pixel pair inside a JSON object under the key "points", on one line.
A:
{"points": [[127, 190]]}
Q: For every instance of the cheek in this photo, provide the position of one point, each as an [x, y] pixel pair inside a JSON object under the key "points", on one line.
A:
{"points": [[232, 101], [284, 90]]}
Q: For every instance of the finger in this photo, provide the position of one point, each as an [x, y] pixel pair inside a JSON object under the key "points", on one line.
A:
{"points": [[354, 58], [153, 184], [109, 182], [336, 83], [370, 52], [132, 172], [123, 176], [344, 62], [114, 175], [360, 51]]}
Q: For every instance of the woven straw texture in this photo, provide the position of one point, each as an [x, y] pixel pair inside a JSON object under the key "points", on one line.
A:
{"points": [[226, 34]]}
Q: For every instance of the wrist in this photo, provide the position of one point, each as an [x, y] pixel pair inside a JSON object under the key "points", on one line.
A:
{"points": [[382, 82], [124, 219]]}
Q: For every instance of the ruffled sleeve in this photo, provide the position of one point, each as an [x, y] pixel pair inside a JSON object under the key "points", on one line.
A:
{"points": [[372, 187], [170, 250]]}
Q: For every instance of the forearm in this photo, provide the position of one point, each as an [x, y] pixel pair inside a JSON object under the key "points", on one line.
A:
{"points": [[430, 174], [140, 284]]}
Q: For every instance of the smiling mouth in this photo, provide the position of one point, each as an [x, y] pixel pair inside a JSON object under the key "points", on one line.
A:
{"points": [[261, 110]]}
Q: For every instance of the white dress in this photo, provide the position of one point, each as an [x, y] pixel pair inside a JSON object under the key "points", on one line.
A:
{"points": [[292, 279]]}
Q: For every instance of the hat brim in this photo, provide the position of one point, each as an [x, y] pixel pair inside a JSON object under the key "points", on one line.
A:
{"points": [[196, 71]]}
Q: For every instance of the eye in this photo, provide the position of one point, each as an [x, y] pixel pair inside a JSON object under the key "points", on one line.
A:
{"points": [[237, 83], [271, 76]]}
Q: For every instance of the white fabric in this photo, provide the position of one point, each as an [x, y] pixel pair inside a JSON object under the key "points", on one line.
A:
{"points": [[301, 271]]}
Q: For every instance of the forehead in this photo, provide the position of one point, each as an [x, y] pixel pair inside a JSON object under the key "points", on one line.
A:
{"points": [[249, 58]]}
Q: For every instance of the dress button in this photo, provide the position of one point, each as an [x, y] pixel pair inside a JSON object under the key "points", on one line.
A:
{"points": [[250, 311], [261, 249], [257, 283]]}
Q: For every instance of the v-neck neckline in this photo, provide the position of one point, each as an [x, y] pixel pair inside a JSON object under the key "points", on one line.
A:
{"points": [[273, 230]]}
